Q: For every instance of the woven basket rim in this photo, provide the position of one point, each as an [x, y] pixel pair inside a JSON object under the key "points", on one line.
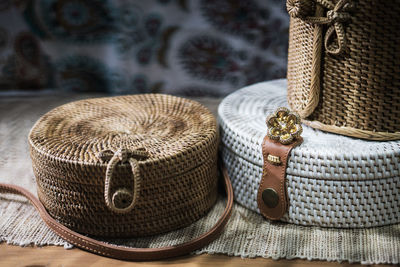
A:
{"points": [[354, 132]]}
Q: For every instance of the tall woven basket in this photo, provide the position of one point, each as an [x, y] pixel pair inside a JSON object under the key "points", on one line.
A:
{"points": [[126, 166], [344, 66]]}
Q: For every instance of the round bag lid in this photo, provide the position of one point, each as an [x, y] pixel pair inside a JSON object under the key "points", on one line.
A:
{"points": [[322, 155], [165, 126]]}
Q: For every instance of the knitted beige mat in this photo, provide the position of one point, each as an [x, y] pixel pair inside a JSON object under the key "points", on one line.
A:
{"points": [[247, 233]]}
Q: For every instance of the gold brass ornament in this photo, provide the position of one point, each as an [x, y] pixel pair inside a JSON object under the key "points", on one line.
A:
{"points": [[274, 159], [284, 126]]}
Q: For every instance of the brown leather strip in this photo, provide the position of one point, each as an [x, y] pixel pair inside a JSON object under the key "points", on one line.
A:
{"points": [[273, 205], [127, 253]]}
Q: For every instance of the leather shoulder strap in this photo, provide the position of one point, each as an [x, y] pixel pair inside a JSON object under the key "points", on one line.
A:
{"points": [[125, 253]]}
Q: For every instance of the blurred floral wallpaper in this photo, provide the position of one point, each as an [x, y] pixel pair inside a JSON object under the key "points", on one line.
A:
{"points": [[183, 47]]}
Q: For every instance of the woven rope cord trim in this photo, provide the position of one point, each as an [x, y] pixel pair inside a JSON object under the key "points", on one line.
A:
{"points": [[349, 131], [308, 107]]}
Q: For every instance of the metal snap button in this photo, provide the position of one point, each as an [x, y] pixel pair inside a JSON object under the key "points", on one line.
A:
{"points": [[270, 198]]}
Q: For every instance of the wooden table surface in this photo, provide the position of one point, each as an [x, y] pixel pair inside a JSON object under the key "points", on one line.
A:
{"points": [[49, 256]]}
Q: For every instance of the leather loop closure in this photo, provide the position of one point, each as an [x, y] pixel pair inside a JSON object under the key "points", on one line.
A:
{"points": [[272, 195]]}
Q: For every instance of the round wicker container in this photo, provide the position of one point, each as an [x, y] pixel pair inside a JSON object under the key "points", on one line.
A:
{"points": [[344, 66], [331, 180], [126, 166]]}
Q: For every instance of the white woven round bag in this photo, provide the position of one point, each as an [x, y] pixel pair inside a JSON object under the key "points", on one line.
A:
{"points": [[331, 180]]}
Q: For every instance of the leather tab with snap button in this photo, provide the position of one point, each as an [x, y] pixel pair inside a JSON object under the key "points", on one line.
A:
{"points": [[284, 129]]}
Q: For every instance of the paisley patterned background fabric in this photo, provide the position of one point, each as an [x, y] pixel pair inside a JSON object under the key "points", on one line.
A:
{"points": [[185, 47]]}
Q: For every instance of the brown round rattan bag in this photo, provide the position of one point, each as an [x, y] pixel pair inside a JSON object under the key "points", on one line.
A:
{"points": [[126, 166]]}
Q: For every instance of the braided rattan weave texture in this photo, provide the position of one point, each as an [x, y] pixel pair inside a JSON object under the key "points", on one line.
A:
{"points": [[353, 89], [332, 180], [176, 181]]}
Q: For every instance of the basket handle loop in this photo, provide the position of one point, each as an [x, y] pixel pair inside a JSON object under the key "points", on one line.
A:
{"points": [[118, 203]]}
